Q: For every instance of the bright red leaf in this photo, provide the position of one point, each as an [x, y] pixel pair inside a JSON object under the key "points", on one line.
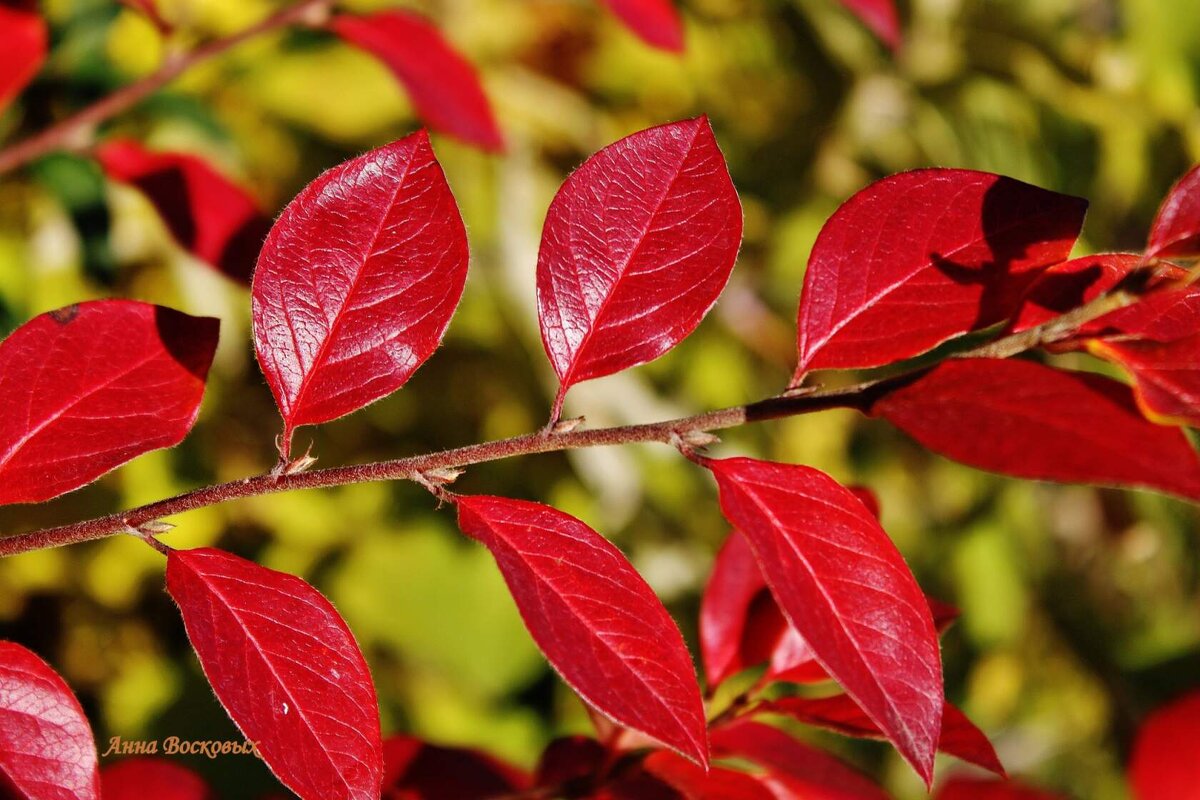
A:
{"points": [[1031, 421], [1176, 229], [442, 84], [417, 770], [140, 778], [598, 623], [97, 383], [960, 737], [207, 214], [846, 589], [990, 789], [286, 668], [656, 22], [357, 282], [637, 246], [23, 39], [46, 746], [923, 256], [880, 16], [696, 783], [1166, 755], [1166, 376]]}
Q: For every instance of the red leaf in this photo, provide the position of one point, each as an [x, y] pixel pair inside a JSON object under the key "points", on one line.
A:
{"points": [[139, 778], [803, 772], [696, 783], [1166, 755], [1166, 375], [840, 713], [1176, 228], [1024, 419], [416, 770], [286, 668], [599, 624], [208, 215], [846, 589], [637, 246], [656, 22], [880, 16], [23, 39], [569, 760], [46, 746], [923, 256], [990, 789], [442, 84], [357, 282], [99, 383]]}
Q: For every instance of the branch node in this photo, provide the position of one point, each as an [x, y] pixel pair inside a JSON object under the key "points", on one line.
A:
{"points": [[567, 425]]}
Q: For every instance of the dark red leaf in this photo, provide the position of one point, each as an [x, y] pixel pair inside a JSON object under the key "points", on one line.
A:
{"points": [[442, 84], [637, 246], [98, 383], [960, 737], [1024, 419], [416, 770], [801, 772], [599, 624], [845, 588], [637, 784], [1166, 755], [286, 668], [46, 746], [923, 256], [570, 760], [207, 214], [23, 39], [357, 282], [140, 778], [696, 783], [880, 16], [656, 22], [991, 789], [1176, 229]]}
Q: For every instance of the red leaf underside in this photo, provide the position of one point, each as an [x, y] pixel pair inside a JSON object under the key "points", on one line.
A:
{"points": [[656, 22]]}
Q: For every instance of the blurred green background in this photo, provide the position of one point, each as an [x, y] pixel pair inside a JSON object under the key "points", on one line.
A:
{"points": [[1080, 605]]}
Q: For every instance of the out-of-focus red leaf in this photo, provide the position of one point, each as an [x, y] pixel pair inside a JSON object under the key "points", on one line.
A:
{"points": [[23, 39], [637, 246], [570, 760], [207, 214], [417, 770], [1024, 419], [1176, 229], [959, 788], [800, 772], [443, 85], [286, 668], [656, 22], [598, 623], [637, 784], [696, 783], [97, 384], [1166, 754], [846, 589], [923, 256], [46, 746], [140, 778], [880, 16], [357, 282], [960, 737]]}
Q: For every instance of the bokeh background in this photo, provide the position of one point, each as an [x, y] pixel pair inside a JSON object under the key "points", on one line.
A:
{"points": [[1080, 606]]}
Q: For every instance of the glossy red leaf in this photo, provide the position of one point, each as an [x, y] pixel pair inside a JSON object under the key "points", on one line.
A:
{"points": [[960, 788], [140, 778], [1024, 419], [598, 623], [923, 256], [286, 668], [357, 282], [207, 214], [846, 589], [637, 246], [1176, 228], [1166, 754], [98, 384], [800, 771], [46, 746], [417, 770], [880, 16], [442, 85], [960, 737], [656, 22], [697, 783], [23, 40]]}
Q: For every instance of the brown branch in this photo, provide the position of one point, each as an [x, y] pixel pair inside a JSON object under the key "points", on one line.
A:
{"points": [[62, 134]]}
